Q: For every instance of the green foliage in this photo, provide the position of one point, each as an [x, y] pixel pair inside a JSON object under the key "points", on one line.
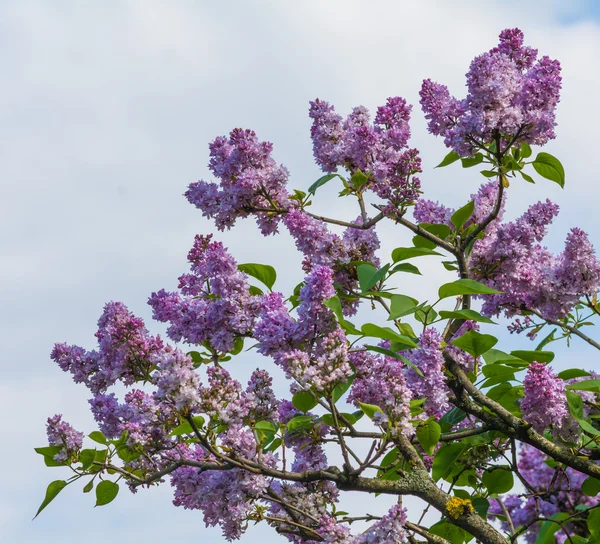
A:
{"points": [[262, 272]]}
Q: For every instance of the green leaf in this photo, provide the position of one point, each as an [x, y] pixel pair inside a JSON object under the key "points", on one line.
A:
{"points": [[186, 428], [593, 522], [588, 428], [49, 452], [267, 426], [370, 329], [99, 437], [573, 373], [444, 459], [590, 487], [369, 409], [525, 150], [304, 401], [428, 435], [449, 159], [449, 532], [86, 458], [586, 385], [549, 529], [426, 315], [471, 315], [262, 272], [526, 177], [507, 396], [468, 162], [403, 253], [341, 388], [462, 215], [106, 491], [489, 173], [89, 486], [405, 267], [475, 343], [547, 339], [531, 356], [299, 422], [335, 305], [481, 505], [358, 180], [369, 276], [322, 181], [465, 287], [52, 490], [401, 305], [498, 480], [255, 291], [549, 167], [575, 403], [451, 418]]}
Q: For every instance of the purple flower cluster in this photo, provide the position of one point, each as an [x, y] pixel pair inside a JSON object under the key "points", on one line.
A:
{"points": [[126, 351], [176, 380], [431, 386], [249, 179], [214, 306], [313, 351], [560, 491], [60, 433], [321, 247], [380, 381], [545, 402], [511, 259], [226, 497], [388, 530], [510, 97], [379, 150]]}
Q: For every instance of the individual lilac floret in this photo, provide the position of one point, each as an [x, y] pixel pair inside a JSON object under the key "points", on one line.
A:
{"points": [[176, 380], [545, 402], [214, 305], [60, 433], [428, 358], [388, 530], [125, 351], [510, 97], [249, 178]]}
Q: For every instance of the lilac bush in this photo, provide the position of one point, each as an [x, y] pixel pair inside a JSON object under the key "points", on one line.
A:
{"points": [[420, 403]]}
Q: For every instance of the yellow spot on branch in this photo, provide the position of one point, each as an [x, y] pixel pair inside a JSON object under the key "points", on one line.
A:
{"points": [[457, 507]]}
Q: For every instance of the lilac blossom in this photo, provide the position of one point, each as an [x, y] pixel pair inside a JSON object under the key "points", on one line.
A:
{"points": [[510, 96], [545, 402], [560, 492], [60, 433], [214, 306], [249, 178], [428, 358], [380, 381], [125, 351], [176, 380], [388, 530]]}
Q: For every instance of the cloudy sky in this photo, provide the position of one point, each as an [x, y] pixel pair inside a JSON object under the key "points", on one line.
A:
{"points": [[106, 110]]}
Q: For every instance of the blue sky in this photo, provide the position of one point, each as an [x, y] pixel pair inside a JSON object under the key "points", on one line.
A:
{"points": [[106, 111]]}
